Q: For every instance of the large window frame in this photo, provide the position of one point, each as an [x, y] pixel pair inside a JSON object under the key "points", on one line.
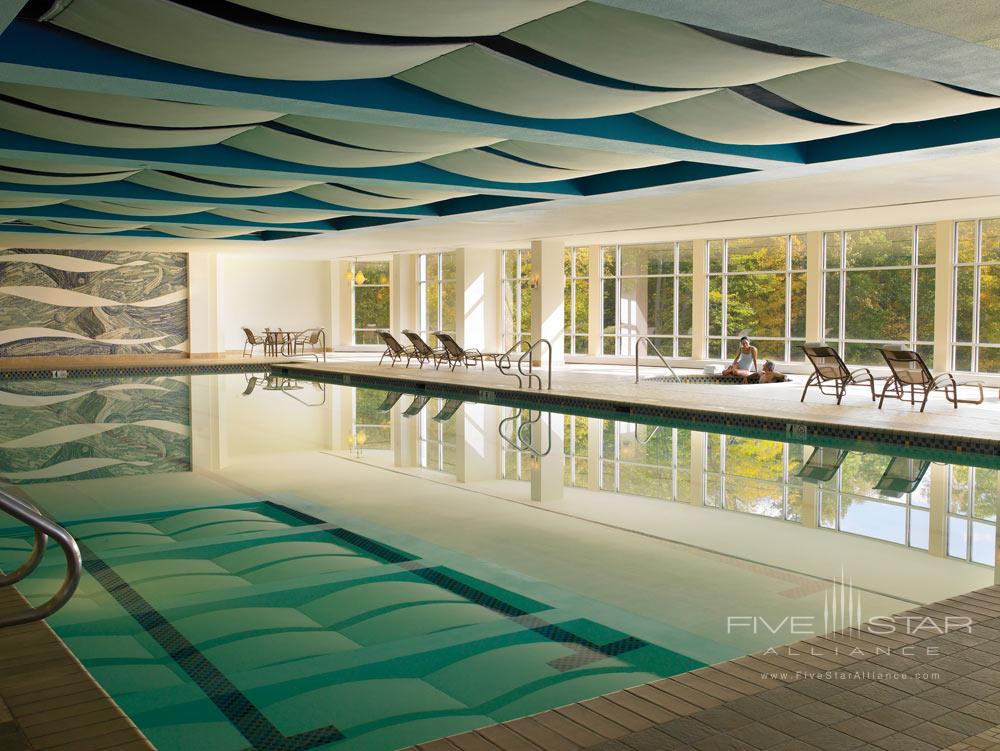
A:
{"points": [[720, 478], [436, 280], [623, 448], [374, 277], [722, 342], [576, 303], [436, 439], [836, 269], [972, 510], [624, 333], [970, 353], [516, 291]]}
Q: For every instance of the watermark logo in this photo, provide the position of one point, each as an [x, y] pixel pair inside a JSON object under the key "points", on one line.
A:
{"points": [[841, 606]]}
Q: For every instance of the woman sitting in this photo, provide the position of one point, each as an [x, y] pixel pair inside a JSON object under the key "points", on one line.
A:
{"points": [[745, 362]]}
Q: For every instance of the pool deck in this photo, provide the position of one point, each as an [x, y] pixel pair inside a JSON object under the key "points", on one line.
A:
{"points": [[48, 701], [612, 387], [911, 690]]}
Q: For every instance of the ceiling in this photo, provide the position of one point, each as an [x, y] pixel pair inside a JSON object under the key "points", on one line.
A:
{"points": [[337, 126]]}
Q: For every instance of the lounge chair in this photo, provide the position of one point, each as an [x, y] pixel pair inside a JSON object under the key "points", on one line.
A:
{"points": [[822, 465], [455, 354], [902, 475], [394, 350], [829, 369], [910, 371], [448, 410], [391, 397], [424, 352], [416, 406], [252, 341]]}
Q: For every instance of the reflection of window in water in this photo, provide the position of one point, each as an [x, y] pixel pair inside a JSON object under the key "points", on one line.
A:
{"points": [[435, 438], [515, 463], [575, 441], [864, 499], [972, 513], [645, 460], [370, 426], [753, 476]]}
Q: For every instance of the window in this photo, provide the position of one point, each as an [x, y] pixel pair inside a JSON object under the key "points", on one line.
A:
{"points": [[757, 288], [516, 291], [753, 476], [879, 290], [436, 437], [436, 293], [651, 461], [977, 296], [370, 300], [575, 441], [577, 303], [371, 428], [516, 456], [972, 514], [647, 292]]}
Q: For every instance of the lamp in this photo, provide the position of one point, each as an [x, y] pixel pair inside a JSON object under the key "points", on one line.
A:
{"points": [[359, 279], [534, 279]]}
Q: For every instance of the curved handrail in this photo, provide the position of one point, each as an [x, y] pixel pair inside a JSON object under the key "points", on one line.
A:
{"points": [[649, 436], [523, 444], [650, 343], [300, 400], [23, 512], [530, 374], [37, 553], [504, 360]]}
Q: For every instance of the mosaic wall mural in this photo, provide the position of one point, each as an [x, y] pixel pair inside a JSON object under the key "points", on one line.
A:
{"points": [[80, 429], [92, 302]]}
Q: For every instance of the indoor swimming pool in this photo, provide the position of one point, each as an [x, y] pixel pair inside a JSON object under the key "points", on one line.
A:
{"points": [[277, 564]]}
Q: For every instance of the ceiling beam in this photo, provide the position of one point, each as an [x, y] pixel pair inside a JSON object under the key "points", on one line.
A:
{"points": [[45, 55], [829, 28]]}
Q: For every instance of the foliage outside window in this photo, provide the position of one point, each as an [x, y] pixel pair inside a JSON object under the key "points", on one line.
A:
{"points": [[647, 291], [576, 305], [972, 514], [516, 294], [757, 288], [515, 463], [977, 296], [651, 461], [436, 439], [753, 476], [437, 294], [851, 502], [370, 427], [575, 440], [879, 289], [370, 300]]}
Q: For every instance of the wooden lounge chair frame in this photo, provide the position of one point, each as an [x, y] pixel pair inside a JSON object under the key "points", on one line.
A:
{"points": [[422, 351], [455, 354], [910, 371], [394, 350], [830, 371]]}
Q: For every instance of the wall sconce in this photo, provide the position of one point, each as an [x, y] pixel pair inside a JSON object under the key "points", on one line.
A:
{"points": [[534, 279]]}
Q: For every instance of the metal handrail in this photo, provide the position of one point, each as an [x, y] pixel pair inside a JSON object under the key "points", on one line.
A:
{"points": [[523, 444], [530, 374], [649, 436], [650, 343], [25, 512], [504, 358]]}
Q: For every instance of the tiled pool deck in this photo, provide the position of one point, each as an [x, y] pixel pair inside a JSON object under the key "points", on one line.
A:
{"points": [[917, 689]]}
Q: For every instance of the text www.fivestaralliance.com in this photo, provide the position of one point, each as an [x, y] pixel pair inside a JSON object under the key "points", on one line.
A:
{"points": [[842, 675]]}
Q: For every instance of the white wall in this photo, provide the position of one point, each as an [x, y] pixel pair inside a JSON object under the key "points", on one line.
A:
{"points": [[263, 293]]}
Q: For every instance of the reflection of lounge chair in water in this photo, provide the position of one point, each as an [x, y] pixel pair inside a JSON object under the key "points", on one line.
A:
{"points": [[391, 397], [448, 410], [822, 465], [418, 403], [902, 476]]}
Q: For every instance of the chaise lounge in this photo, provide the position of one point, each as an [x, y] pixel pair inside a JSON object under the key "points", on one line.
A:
{"points": [[910, 371], [830, 371]]}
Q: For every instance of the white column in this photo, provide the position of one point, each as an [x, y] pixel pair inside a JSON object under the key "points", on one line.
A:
{"points": [[810, 504], [698, 464], [814, 287], [206, 426], [547, 297], [476, 444], [403, 292], [205, 305], [478, 302], [342, 323], [944, 295], [937, 536], [547, 471], [699, 301], [595, 436], [404, 439], [595, 300]]}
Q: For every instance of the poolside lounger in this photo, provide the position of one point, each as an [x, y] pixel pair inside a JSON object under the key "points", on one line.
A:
{"points": [[910, 371], [455, 354], [391, 397], [448, 410], [829, 369], [418, 403], [394, 350], [822, 464], [902, 475], [424, 352]]}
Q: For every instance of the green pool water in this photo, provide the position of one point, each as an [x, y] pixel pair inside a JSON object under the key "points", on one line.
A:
{"points": [[276, 564]]}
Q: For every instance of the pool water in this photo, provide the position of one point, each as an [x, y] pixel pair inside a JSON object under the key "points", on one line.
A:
{"points": [[279, 564]]}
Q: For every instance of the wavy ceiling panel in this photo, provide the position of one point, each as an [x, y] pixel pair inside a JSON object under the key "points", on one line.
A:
{"points": [[652, 51], [276, 216], [137, 208], [375, 198], [431, 18], [27, 203], [577, 159], [863, 94], [32, 172], [727, 117], [179, 34], [90, 227], [216, 186], [484, 78], [486, 165], [205, 233]]}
